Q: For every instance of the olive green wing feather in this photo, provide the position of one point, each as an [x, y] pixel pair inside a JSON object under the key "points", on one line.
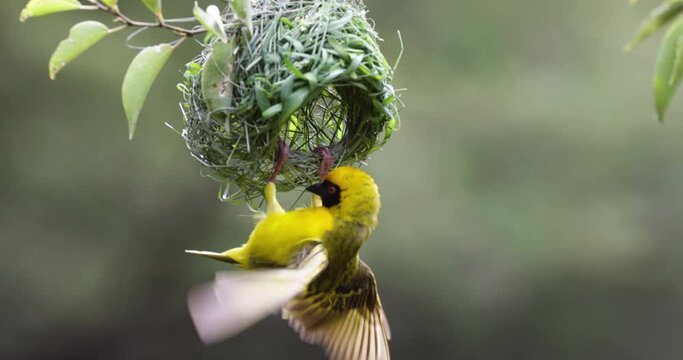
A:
{"points": [[347, 321]]}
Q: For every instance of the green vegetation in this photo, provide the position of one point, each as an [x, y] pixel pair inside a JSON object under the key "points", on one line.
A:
{"points": [[669, 69], [307, 72]]}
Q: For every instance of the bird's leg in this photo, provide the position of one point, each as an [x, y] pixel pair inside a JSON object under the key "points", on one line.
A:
{"points": [[270, 192], [326, 162], [283, 154], [272, 205], [325, 165]]}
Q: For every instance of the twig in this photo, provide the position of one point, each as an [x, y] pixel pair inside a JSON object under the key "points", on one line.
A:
{"points": [[120, 17]]}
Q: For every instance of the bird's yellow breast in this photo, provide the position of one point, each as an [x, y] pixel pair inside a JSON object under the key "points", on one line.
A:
{"points": [[277, 239]]}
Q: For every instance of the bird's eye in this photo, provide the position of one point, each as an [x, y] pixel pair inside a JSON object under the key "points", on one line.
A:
{"points": [[331, 189]]}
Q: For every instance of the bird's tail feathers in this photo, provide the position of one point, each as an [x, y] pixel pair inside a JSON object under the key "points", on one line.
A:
{"points": [[237, 300], [214, 255]]}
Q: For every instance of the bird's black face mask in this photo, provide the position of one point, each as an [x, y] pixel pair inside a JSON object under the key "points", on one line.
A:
{"points": [[328, 192]]}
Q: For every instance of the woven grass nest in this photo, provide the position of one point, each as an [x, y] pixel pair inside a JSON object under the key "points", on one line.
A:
{"points": [[307, 72]]}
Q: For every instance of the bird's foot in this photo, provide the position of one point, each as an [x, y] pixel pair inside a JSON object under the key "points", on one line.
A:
{"points": [[283, 154], [270, 194], [326, 162]]}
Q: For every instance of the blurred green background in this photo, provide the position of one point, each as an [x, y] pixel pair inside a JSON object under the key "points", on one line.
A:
{"points": [[532, 206]]}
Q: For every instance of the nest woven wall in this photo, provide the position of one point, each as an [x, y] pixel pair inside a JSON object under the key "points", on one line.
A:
{"points": [[307, 72]]}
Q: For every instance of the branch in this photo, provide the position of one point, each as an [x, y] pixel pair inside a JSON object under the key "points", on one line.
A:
{"points": [[161, 24]]}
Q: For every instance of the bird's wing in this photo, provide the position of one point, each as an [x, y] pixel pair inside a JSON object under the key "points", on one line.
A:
{"points": [[236, 300], [349, 324]]}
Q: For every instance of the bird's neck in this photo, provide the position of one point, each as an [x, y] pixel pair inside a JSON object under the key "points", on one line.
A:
{"points": [[342, 245], [361, 212]]}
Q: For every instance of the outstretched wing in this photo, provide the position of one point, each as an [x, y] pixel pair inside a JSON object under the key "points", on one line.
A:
{"points": [[349, 322], [237, 300]]}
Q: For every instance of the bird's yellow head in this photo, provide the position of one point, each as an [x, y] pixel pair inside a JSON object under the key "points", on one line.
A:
{"points": [[350, 194]]}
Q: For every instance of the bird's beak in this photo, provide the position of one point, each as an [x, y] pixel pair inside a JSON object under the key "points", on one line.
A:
{"points": [[316, 189]]}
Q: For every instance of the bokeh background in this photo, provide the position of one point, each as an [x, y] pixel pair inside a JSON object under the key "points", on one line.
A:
{"points": [[533, 207]]}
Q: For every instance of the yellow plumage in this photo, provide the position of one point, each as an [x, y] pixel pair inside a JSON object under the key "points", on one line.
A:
{"points": [[279, 237], [305, 262]]}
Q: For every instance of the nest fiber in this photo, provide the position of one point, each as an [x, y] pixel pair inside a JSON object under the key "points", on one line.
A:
{"points": [[309, 73]]}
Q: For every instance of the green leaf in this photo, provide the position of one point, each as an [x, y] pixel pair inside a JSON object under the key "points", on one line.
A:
{"points": [[290, 66], [81, 37], [110, 3], [139, 78], [272, 111], [44, 7], [294, 102], [658, 18], [243, 10], [261, 96], [667, 78], [154, 6], [216, 76], [677, 71], [285, 21], [211, 20], [391, 126]]}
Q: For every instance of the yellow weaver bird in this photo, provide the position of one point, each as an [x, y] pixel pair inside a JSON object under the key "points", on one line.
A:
{"points": [[304, 263]]}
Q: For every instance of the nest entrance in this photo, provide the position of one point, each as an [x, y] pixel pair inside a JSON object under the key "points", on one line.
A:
{"points": [[327, 115]]}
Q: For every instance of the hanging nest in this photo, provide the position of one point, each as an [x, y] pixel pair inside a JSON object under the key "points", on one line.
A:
{"points": [[308, 72]]}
